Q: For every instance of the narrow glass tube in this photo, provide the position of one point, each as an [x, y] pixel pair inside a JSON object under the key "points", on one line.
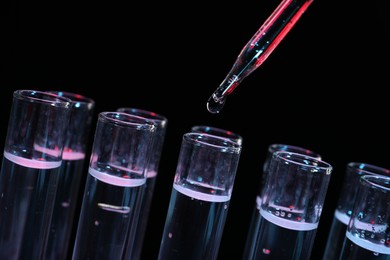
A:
{"points": [[256, 216], [113, 189], [65, 212], [342, 214], [291, 205], [200, 197], [135, 246], [368, 234], [30, 172], [259, 47]]}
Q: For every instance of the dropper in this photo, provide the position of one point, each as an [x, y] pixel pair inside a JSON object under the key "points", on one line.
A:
{"points": [[257, 50]]}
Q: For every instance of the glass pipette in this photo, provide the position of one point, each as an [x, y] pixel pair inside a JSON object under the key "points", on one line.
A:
{"points": [[257, 50]]}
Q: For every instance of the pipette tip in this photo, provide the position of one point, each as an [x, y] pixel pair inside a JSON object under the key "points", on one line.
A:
{"points": [[215, 104]]}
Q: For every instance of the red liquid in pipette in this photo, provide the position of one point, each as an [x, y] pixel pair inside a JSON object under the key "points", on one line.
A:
{"points": [[257, 50]]}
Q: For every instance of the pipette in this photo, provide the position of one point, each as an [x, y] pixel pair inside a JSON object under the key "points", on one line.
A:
{"points": [[257, 50]]}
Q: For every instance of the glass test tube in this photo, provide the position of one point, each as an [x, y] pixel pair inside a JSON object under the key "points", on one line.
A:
{"points": [[291, 204], [30, 172], [65, 212], [256, 216], [200, 197], [113, 189], [343, 211], [151, 176], [368, 232]]}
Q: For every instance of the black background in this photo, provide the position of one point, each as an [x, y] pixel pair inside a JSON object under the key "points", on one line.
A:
{"points": [[323, 88]]}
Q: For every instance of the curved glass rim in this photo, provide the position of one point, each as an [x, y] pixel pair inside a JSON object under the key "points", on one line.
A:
{"points": [[74, 97], [213, 141], [217, 131], [293, 148], [143, 113], [366, 168], [43, 97], [378, 181], [304, 160], [128, 120]]}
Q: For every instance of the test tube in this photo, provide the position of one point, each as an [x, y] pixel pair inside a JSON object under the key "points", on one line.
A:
{"points": [[113, 190], [368, 232], [65, 212], [291, 205], [200, 197], [135, 245], [342, 214], [254, 226], [30, 172]]}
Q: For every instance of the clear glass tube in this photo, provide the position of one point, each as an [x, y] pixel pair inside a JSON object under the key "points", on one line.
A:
{"points": [[134, 247], [200, 197], [256, 217], [291, 205], [113, 190], [30, 172], [65, 212], [368, 233], [343, 211]]}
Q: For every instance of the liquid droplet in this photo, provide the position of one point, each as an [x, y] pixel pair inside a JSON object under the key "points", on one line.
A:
{"points": [[215, 105]]}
